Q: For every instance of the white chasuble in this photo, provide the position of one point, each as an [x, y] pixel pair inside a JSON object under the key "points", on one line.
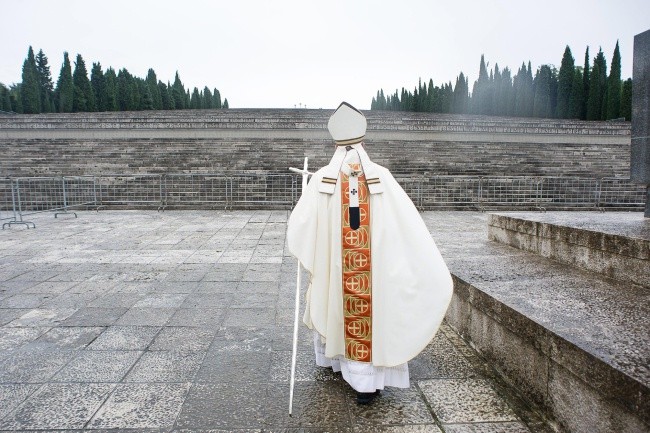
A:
{"points": [[377, 293]]}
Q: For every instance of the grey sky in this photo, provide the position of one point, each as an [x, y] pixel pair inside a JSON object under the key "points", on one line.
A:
{"points": [[282, 53]]}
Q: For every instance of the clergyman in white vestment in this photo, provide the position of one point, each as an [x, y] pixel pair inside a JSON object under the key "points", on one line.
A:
{"points": [[379, 287]]}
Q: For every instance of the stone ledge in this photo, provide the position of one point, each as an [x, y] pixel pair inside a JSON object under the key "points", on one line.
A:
{"points": [[312, 119], [574, 343], [172, 131], [615, 245]]}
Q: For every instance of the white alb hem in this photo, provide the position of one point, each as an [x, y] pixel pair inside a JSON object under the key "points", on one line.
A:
{"points": [[362, 376]]}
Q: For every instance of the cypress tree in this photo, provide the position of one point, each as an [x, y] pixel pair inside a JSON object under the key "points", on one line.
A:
{"points": [[524, 92], [434, 99], [377, 105], [597, 88], [577, 99], [447, 97], [420, 97], [461, 95], [431, 97], [165, 100], [506, 93], [498, 91], [207, 98], [489, 94], [216, 99], [626, 100], [154, 90], [83, 97], [225, 104], [530, 90], [495, 91], [479, 100], [78, 100], [586, 77], [15, 98], [565, 84], [125, 97], [46, 85], [195, 101], [554, 85], [395, 102], [172, 103], [138, 88], [178, 93], [518, 90], [542, 101], [64, 93], [177, 98], [110, 81], [413, 100], [5, 100], [614, 86], [98, 84], [30, 88], [146, 101]]}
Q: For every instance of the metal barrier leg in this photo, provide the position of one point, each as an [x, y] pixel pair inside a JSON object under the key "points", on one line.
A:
{"points": [[65, 202], [15, 193], [479, 205], [539, 196], [163, 194]]}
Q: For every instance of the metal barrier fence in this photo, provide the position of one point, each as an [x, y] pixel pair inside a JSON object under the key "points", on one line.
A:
{"points": [[230, 191], [130, 190], [6, 204], [32, 195], [23, 196]]}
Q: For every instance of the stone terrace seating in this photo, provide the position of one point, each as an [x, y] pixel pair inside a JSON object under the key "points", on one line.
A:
{"points": [[209, 141]]}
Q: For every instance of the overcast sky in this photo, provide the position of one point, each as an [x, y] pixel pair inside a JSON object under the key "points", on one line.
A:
{"points": [[314, 53]]}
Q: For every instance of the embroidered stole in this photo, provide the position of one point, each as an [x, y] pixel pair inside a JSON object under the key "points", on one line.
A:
{"points": [[357, 278]]}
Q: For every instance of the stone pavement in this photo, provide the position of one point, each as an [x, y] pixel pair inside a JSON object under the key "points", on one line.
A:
{"points": [[182, 321]]}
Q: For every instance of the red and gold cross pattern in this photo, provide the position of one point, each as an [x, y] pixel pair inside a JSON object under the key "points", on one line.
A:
{"points": [[357, 281]]}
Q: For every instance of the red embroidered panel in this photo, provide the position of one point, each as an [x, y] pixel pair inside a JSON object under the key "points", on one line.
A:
{"points": [[357, 277]]}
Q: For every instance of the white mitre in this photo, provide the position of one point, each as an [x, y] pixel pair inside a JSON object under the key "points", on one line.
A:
{"points": [[347, 125]]}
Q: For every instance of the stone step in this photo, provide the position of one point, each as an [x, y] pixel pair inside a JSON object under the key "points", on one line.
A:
{"points": [[308, 119], [574, 342], [28, 157], [615, 245]]}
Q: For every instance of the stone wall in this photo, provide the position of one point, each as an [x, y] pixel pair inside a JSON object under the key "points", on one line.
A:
{"points": [[211, 141]]}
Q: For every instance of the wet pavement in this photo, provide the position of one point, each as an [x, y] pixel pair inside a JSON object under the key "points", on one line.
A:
{"points": [[182, 321]]}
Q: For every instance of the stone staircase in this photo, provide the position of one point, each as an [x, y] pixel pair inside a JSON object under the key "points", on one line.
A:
{"points": [[559, 304], [258, 140]]}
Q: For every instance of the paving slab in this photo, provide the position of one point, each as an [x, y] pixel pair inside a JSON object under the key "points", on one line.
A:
{"points": [[181, 321]]}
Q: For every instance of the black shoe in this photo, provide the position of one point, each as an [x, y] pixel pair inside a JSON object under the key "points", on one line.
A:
{"points": [[366, 397]]}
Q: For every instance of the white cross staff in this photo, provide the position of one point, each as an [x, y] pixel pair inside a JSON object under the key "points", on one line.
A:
{"points": [[305, 175]]}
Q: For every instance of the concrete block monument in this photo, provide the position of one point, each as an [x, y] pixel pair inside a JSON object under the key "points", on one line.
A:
{"points": [[640, 145]]}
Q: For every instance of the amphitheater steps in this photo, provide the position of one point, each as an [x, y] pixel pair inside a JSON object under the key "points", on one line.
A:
{"points": [[27, 157], [310, 119], [259, 140]]}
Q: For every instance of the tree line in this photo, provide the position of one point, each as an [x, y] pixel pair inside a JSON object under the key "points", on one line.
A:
{"points": [[103, 91], [574, 92]]}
